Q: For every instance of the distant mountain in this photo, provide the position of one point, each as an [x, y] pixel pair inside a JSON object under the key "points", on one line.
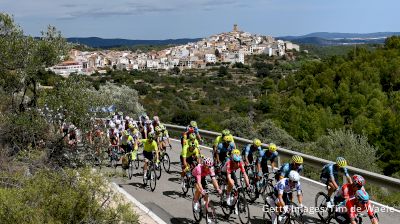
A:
{"points": [[107, 43], [326, 38]]}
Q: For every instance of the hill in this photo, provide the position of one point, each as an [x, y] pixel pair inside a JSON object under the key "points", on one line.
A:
{"points": [[108, 43], [326, 38]]}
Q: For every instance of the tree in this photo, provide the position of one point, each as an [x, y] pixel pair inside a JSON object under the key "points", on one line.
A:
{"points": [[392, 42], [223, 71], [22, 58]]}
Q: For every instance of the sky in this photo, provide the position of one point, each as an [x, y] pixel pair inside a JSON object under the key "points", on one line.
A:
{"points": [[172, 19]]}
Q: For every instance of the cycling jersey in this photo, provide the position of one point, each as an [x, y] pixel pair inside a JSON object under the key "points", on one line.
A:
{"points": [[351, 208], [226, 148], [231, 166], [332, 170], [125, 140], [186, 152], [200, 171], [220, 139], [269, 156], [196, 130], [345, 192], [250, 150], [283, 186], [285, 169], [149, 146]]}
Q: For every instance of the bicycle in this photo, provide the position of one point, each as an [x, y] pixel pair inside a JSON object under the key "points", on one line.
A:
{"points": [[238, 204], [293, 214], [115, 156], [324, 212], [207, 211], [165, 160], [157, 167], [151, 175]]}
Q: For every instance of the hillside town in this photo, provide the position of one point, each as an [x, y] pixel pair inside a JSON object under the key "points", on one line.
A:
{"points": [[228, 48]]}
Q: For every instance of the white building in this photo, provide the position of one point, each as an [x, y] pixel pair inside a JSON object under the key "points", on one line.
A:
{"points": [[67, 68], [210, 58]]}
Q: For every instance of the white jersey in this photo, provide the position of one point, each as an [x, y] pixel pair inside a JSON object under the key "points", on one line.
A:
{"points": [[283, 186]]}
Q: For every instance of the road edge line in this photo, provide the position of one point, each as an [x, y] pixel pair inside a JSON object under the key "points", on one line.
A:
{"points": [[146, 210]]}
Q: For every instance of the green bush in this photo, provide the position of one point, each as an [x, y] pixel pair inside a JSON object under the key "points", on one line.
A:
{"points": [[73, 196]]}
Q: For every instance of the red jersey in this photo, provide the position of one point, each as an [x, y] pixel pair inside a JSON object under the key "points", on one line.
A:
{"points": [[353, 208], [346, 191], [231, 166]]}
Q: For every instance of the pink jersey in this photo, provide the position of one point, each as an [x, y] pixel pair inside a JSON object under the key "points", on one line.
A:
{"points": [[201, 171]]}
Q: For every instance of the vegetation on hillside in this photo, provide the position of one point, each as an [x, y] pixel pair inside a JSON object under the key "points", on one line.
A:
{"points": [[36, 184]]}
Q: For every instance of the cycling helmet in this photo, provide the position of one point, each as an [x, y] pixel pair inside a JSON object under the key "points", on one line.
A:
{"points": [[272, 147], [112, 125], [118, 121], [158, 129], [193, 124], [257, 142], [156, 118], [228, 138], [147, 122], [127, 117], [162, 127], [192, 136], [236, 155], [358, 180], [125, 133], [341, 162], [207, 161], [151, 135], [362, 196], [297, 159], [225, 132], [294, 176]]}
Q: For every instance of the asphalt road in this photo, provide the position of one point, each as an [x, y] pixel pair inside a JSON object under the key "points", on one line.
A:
{"points": [[169, 203]]}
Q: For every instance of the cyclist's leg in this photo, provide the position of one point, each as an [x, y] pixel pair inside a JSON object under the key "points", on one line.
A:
{"points": [[205, 187], [148, 157]]}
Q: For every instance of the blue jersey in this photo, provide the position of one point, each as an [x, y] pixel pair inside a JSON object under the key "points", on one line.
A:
{"points": [[287, 167], [330, 170], [267, 155], [223, 148], [251, 150]]}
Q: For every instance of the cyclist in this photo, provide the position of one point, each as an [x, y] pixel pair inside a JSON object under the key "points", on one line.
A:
{"points": [[349, 189], [200, 172], [72, 136], [224, 149], [156, 121], [162, 137], [220, 139], [284, 170], [269, 155], [347, 211], [191, 128], [189, 155], [149, 147], [330, 175], [250, 149], [234, 163], [127, 142], [283, 192]]}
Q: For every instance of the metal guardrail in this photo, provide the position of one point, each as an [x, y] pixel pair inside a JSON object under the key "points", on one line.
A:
{"points": [[380, 180]]}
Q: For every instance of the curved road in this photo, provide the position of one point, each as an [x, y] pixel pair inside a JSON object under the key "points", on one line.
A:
{"points": [[168, 202]]}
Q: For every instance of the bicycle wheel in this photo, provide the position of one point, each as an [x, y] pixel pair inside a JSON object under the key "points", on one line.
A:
{"points": [[320, 202], [253, 193], [158, 170], [267, 209], [152, 177], [166, 162], [211, 215], [296, 217], [243, 209], [130, 169], [185, 186], [268, 190], [137, 162], [225, 208], [198, 215]]}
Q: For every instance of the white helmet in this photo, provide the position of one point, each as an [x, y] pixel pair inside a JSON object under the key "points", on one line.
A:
{"points": [[118, 121], [294, 176], [127, 117], [112, 125], [156, 118]]}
